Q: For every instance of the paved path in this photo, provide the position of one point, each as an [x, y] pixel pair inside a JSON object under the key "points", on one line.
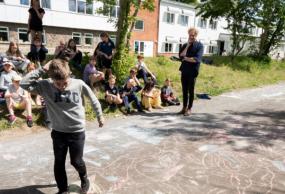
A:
{"points": [[233, 143]]}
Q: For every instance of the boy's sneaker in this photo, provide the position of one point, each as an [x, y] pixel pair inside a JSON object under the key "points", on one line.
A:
{"points": [[85, 184], [129, 111], [12, 119], [29, 121]]}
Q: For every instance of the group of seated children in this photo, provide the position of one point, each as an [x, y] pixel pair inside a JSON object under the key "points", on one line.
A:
{"points": [[151, 96]]}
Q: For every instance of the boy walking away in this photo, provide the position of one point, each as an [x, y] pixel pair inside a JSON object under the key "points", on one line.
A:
{"points": [[18, 98], [167, 95], [63, 97], [129, 95]]}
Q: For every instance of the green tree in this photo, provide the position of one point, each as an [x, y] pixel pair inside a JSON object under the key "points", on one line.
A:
{"points": [[239, 15], [125, 24], [271, 18]]}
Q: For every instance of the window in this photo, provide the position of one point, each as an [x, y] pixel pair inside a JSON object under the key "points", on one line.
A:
{"points": [[113, 38], [88, 39], [184, 20], [114, 11], [213, 49], [139, 25], [46, 4], [139, 47], [23, 36], [81, 6], [25, 2], [170, 18], [76, 36], [44, 40], [168, 47], [72, 5], [213, 24], [4, 34], [202, 23]]}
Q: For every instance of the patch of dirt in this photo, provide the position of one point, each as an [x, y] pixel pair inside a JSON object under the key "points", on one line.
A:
{"points": [[19, 132]]}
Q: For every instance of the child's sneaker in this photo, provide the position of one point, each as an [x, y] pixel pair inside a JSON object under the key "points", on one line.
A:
{"points": [[12, 119], [29, 121]]}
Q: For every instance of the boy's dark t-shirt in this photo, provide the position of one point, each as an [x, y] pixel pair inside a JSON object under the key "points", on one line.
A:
{"points": [[36, 23], [113, 90], [106, 47]]}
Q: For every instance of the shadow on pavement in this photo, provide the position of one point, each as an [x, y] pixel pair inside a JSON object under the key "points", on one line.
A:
{"points": [[261, 127], [34, 189]]}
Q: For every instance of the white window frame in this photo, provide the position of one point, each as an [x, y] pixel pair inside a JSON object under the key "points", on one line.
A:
{"points": [[202, 21], [85, 8], [182, 21], [77, 34], [46, 7], [213, 24], [212, 49], [138, 29], [139, 48], [168, 51], [41, 3], [19, 40], [113, 38], [44, 38], [8, 34], [170, 22], [88, 35], [24, 4]]}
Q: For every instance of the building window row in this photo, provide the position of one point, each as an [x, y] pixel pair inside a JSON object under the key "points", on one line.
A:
{"points": [[182, 19], [202, 23], [23, 36], [44, 3], [80, 6], [87, 38]]}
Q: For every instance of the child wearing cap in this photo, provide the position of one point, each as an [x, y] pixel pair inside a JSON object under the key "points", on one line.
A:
{"points": [[17, 98], [167, 95], [6, 75]]}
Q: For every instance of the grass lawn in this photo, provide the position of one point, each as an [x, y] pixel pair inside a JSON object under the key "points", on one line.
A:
{"points": [[213, 80]]}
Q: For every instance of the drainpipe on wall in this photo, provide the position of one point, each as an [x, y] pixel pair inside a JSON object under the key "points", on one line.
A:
{"points": [[158, 20]]}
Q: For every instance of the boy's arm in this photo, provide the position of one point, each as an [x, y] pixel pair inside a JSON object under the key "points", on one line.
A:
{"points": [[94, 102], [30, 81]]}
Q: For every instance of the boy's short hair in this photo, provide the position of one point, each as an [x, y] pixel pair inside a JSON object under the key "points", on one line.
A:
{"points": [[59, 70], [133, 70], [37, 38], [93, 58], [104, 34], [112, 77], [140, 57]]}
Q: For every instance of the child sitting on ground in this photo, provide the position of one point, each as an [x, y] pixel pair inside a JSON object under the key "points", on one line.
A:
{"points": [[18, 98], [129, 94], [167, 95], [91, 75], [35, 99], [151, 96], [38, 51], [112, 94], [143, 71]]}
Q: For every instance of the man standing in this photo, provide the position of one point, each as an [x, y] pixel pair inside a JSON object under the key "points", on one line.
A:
{"points": [[191, 57]]}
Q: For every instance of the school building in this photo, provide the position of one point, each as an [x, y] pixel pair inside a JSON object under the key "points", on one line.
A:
{"points": [[155, 33]]}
